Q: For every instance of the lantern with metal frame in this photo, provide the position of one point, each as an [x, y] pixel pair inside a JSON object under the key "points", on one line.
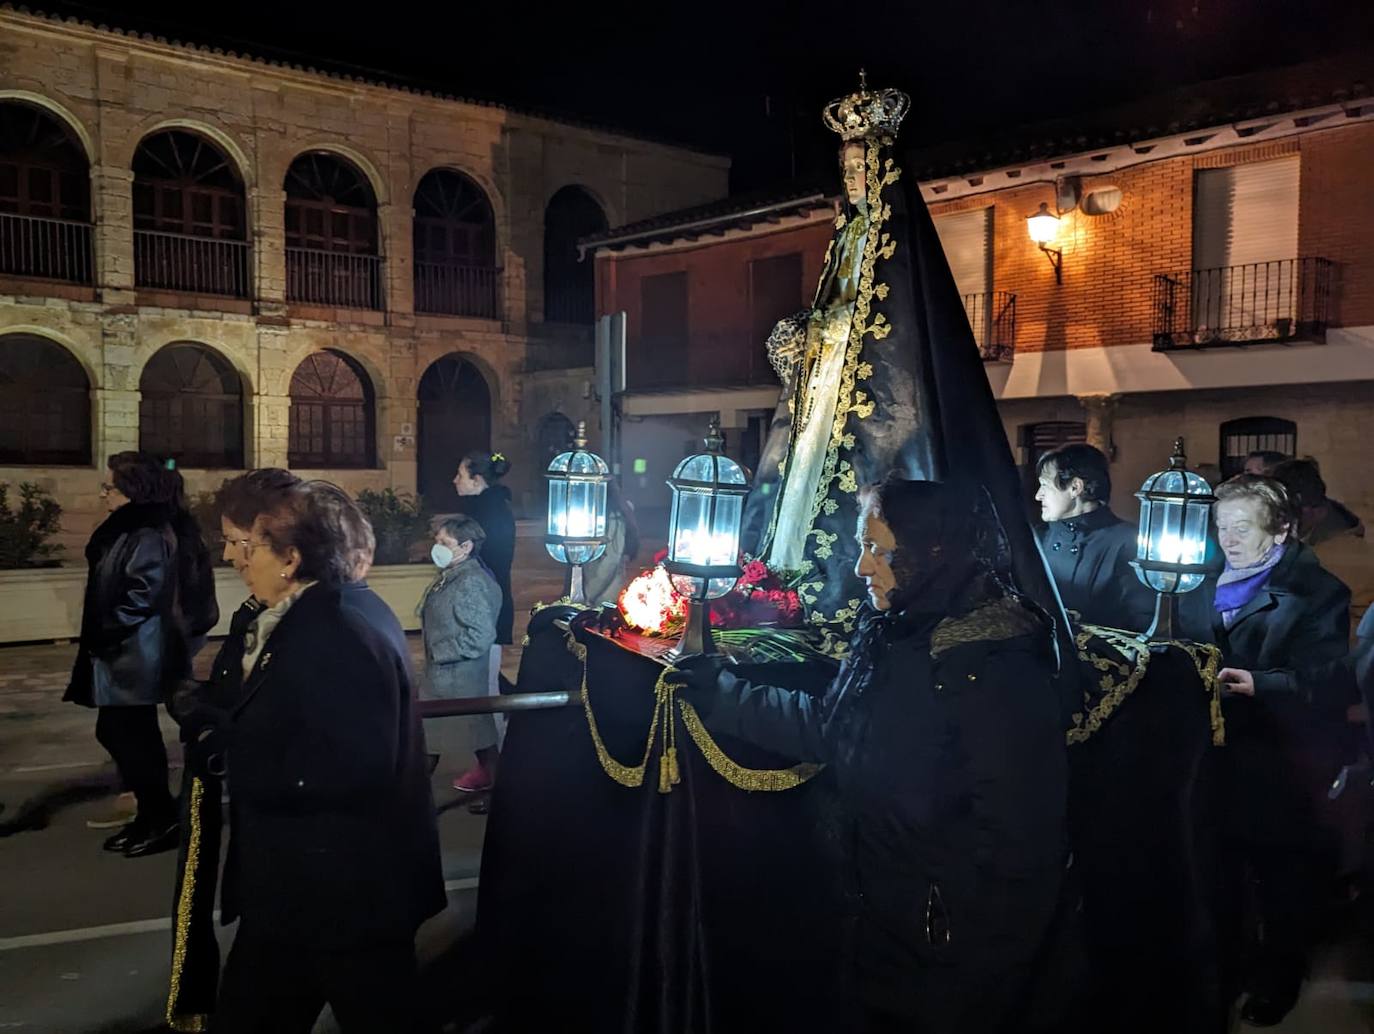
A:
{"points": [[1175, 507], [703, 537], [577, 510]]}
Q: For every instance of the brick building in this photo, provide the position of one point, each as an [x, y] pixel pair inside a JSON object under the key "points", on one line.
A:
{"points": [[1216, 280], [244, 263]]}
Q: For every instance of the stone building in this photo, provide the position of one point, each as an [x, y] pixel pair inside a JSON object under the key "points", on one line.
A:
{"points": [[1211, 275], [243, 263]]}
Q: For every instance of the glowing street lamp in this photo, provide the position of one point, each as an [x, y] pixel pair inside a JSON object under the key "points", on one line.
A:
{"points": [[703, 536], [577, 510], [1043, 227], [1175, 505]]}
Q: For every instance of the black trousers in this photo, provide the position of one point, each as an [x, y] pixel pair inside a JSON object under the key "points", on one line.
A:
{"points": [[132, 737], [273, 987]]}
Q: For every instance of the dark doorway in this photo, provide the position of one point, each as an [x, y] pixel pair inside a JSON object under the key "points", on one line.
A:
{"points": [[455, 418]]}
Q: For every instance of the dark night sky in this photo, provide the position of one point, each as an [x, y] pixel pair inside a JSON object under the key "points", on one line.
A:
{"points": [[749, 79]]}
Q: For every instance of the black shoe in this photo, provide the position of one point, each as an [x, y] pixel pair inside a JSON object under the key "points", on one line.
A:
{"points": [[154, 842], [1268, 1007], [119, 841]]}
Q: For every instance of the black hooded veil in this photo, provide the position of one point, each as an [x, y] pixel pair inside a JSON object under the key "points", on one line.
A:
{"points": [[913, 398]]}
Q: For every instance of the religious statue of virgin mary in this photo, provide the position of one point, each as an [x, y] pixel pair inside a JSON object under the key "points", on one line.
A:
{"points": [[880, 375]]}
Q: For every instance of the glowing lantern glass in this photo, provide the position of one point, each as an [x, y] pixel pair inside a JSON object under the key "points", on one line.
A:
{"points": [[1043, 225], [576, 532], [1171, 547], [703, 535]]}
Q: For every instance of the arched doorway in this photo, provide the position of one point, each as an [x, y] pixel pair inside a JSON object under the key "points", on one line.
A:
{"points": [[190, 217], [455, 418], [455, 247], [569, 281], [45, 197], [332, 246]]}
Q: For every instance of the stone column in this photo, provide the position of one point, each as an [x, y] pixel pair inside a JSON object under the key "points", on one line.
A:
{"points": [[398, 418], [114, 233], [1100, 411], [269, 248]]}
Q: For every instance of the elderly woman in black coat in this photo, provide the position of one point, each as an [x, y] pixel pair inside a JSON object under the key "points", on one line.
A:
{"points": [[1276, 614], [944, 732], [148, 595], [333, 859]]}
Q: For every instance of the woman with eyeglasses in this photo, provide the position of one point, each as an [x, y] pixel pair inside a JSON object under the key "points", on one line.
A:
{"points": [[333, 859], [137, 622]]}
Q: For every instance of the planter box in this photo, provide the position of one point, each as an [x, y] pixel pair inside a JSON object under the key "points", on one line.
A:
{"points": [[45, 603]]}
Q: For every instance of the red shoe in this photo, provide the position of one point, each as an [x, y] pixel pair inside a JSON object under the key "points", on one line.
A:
{"points": [[475, 780]]}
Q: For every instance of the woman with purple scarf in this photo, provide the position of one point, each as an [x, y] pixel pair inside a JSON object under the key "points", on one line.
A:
{"points": [[1275, 613]]}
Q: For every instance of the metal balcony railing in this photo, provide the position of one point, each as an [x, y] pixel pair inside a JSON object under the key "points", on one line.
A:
{"points": [[1281, 300], [333, 278], [51, 249], [453, 290], [196, 265], [992, 316]]}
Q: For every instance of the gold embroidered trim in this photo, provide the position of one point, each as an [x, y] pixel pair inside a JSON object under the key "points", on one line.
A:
{"points": [[669, 771], [763, 779], [193, 1022], [1120, 679], [994, 621], [1118, 682]]}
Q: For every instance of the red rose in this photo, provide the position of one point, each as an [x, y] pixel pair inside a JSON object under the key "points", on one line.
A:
{"points": [[754, 572]]}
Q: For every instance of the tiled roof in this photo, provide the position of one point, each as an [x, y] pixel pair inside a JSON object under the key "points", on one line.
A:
{"points": [[1204, 105], [736, 212], [264, 54]]}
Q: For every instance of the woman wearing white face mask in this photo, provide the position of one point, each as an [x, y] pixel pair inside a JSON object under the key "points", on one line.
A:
{"points": [[458, 616]]}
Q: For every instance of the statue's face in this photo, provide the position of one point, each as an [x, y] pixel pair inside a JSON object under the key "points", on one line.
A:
{"points": [[854, 169]]}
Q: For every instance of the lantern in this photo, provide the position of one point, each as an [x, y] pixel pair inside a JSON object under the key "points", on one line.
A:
{"points": [[1043, 227], [577, 510], [703, 535], [1175, 505]]}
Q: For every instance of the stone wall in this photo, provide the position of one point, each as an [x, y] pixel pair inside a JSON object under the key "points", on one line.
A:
{"points": [[113, 89]]}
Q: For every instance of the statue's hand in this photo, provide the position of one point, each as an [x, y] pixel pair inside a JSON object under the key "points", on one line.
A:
{"points": [[786, 344]]}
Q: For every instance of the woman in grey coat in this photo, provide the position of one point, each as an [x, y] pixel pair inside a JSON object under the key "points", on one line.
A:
{"points": [[458, 616]]}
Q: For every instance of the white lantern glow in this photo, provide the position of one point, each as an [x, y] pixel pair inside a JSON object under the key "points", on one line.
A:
{"points": [[703, 537], [576, 530], [1171, 545]]}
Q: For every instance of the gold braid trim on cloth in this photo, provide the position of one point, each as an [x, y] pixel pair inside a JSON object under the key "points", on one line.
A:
{"points": [[193, 1022], [669, 773], [1120, 678]]}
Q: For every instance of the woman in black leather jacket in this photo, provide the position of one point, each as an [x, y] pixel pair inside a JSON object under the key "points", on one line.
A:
{"points": [[135, 636]]}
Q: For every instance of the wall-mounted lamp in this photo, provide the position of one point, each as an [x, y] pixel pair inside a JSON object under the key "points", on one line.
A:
{"points": [[1043, 227]]}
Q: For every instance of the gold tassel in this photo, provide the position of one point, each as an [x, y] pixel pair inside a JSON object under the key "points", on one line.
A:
{"points": [[665, 778], [674, 775]]}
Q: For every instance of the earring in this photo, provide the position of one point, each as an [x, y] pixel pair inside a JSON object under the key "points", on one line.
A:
{"points": [[283, 576]]}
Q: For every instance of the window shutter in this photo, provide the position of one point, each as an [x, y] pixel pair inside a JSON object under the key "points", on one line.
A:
{"points": [[1246, 214], [967, 240]]}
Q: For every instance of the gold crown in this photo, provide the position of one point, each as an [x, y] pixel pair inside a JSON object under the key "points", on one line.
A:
{"points": [[866, 113]]}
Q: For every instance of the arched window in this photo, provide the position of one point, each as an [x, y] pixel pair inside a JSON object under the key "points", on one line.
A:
{"points": [[332, 414], [190, 222], [332, 254], [455, 247], [45, 197], [45, 403], [192, 408], [455, 418], [1250, 434], [569, 283]]}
